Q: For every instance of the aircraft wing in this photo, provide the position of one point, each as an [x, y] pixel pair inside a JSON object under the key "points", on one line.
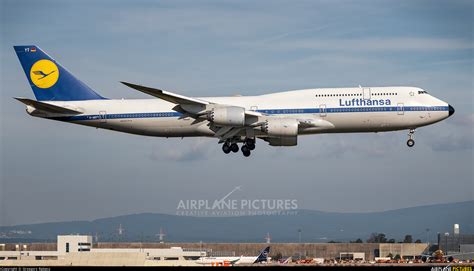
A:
{"points": [[48, 107], [166, 95], [182, 101], [232, 262], [458, 254]]}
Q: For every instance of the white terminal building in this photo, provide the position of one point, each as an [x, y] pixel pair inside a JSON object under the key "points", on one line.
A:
{"points": [[77, 250]]}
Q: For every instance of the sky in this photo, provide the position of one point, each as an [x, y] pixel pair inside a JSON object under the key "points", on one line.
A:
{"points": [[53, 171]]}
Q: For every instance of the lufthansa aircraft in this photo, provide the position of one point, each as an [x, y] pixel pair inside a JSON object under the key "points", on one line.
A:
{"points": [[278, 118], [230, 261]]}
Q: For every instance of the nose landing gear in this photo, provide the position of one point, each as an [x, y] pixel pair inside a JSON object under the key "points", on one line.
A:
{"points": [[411, 142]]}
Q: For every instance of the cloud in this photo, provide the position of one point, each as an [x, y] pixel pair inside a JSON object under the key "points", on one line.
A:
{"points": [[460, 136], [187, 150], [454, 142], [466, 120], [339, 146], [215, 19], [369, 44]]}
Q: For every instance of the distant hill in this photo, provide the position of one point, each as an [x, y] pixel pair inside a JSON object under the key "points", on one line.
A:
{"points": [[316, 226]]}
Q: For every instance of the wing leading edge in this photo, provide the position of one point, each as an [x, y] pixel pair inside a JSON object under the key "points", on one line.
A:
{"points": [[166, 95]]}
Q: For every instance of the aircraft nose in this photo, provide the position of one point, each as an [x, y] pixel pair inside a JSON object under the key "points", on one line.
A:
{"points": [[451, 110]]}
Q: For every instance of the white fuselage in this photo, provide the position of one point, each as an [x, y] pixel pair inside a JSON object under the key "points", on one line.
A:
{"points": [[225, 261], [358, 109]]}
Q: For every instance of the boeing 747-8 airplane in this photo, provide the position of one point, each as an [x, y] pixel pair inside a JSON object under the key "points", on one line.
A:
{"points": [[278, 118]]}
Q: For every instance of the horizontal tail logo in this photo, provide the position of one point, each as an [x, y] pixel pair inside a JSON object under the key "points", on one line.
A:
{"points": [[44, 73]]}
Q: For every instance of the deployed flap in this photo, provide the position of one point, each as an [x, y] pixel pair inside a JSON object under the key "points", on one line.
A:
{"points": [[48, 107], [166, 95]]}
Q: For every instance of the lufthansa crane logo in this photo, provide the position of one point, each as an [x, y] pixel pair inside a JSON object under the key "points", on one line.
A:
{"points": [[44, 73]]}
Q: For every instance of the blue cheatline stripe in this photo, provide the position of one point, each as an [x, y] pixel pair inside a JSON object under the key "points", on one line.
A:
{"points": [[265, 111], [353, 109]]}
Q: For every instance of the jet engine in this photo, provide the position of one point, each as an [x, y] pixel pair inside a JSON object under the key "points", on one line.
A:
{"points": [[281, 131], [228, 116], [280, 127], [282, 140]]}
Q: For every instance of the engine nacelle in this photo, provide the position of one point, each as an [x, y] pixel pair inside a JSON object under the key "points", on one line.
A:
{"points": [[228, 116], [282, 141], [280, 127]]}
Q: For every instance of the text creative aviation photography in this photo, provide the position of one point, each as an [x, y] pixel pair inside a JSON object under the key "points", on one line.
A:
{"points": [[277, 118]]}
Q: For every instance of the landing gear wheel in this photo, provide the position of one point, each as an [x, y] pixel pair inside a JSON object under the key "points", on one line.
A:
{"points": [[411, 142], [250, 142], [226, 148], [251, 146], [245, 150], [234, 147]]}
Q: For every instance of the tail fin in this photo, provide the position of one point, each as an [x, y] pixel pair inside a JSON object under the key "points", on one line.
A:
{"points": [[263, 255], [49, 80]]}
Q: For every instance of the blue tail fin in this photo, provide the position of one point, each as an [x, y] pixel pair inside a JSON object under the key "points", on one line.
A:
{"points": [[263, 255], [49, 80]]}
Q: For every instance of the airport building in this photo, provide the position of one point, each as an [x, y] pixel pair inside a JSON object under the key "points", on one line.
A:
{"points": [[456, 243], [79, 250]]}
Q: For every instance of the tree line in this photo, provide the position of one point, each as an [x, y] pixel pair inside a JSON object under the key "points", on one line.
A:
{"points": [[382, 238]]}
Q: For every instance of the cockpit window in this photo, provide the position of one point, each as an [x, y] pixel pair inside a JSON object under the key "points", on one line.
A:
{"points": [[422, 92]]}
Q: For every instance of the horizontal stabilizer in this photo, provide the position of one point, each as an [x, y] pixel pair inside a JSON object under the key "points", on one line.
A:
{"points": [[48, 107]]}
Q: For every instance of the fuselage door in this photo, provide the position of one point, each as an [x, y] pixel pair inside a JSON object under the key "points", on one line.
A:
{"points": [[103, 116], [400, 109], [322, 110], [366, 93]]}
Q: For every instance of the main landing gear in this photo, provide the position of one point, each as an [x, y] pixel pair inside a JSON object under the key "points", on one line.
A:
{"points": [[228, 147], [411, 142], [249, 145], [245, 150]]}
